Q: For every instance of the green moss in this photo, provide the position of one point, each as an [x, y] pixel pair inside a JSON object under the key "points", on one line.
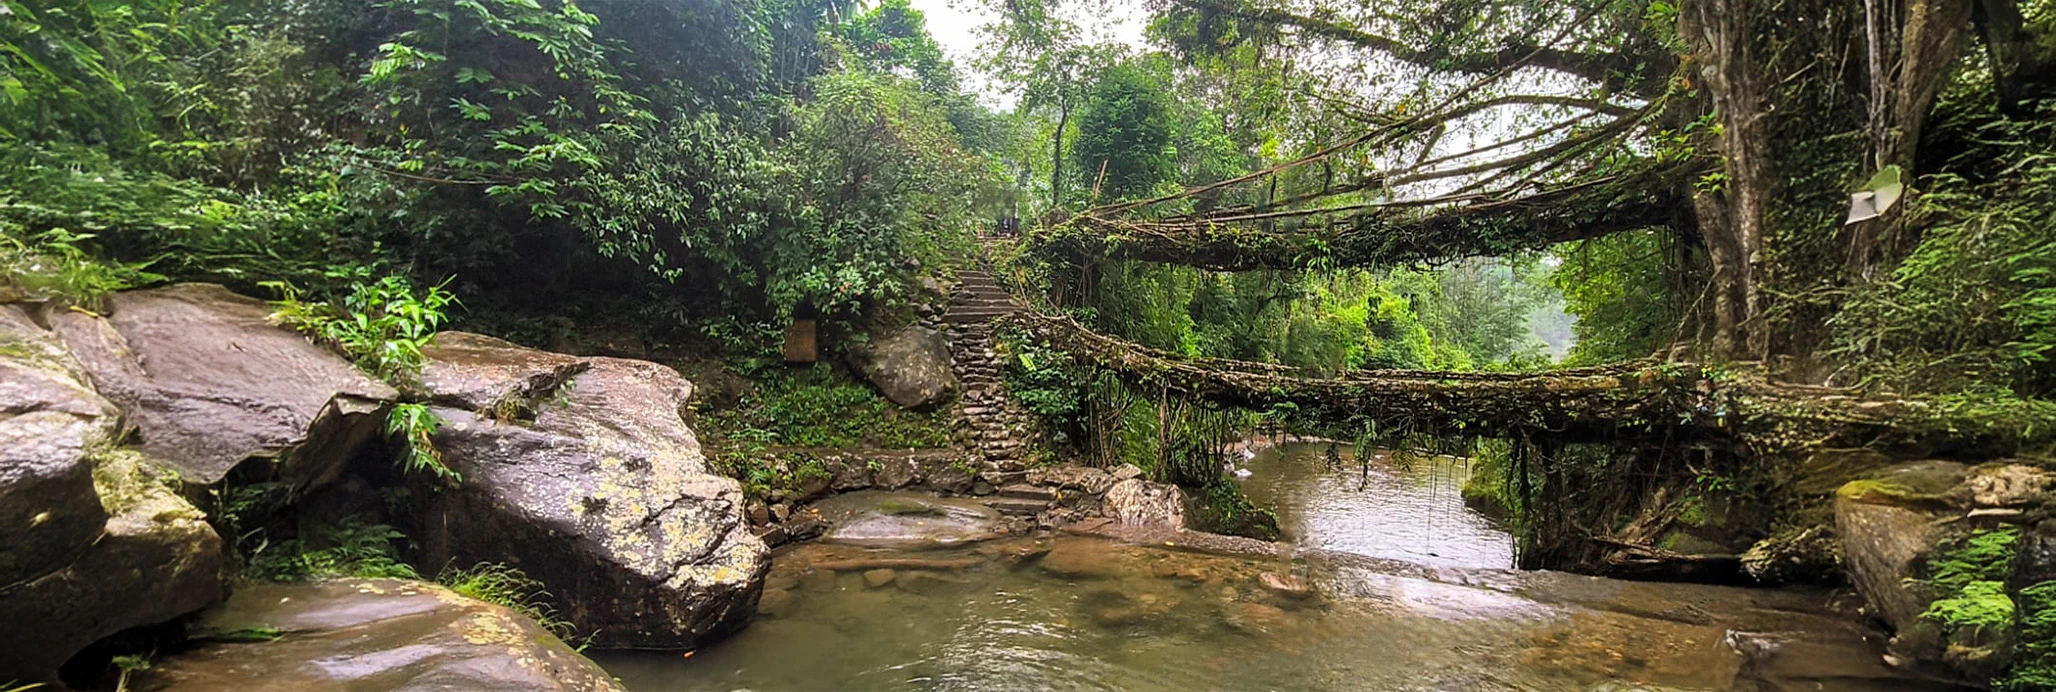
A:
{"points": [[1884, 493]]}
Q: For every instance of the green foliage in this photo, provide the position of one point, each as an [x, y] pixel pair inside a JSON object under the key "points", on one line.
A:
{"points": [[2034, 654], [54, 265], [347, 549], [1047, 382], [1974, 304], [503, 585], [383, 325], [1969, 585], [413, 426], [1617, 289], [1126, 130], [820, 406]]}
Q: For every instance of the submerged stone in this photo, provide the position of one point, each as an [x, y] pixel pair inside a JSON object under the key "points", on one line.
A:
{"points": [[371, 635], [906, 520]]}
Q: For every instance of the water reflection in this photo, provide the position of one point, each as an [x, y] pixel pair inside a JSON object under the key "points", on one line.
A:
{"points": [[1411, 511]]}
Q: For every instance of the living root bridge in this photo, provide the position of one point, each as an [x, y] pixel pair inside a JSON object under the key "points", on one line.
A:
{"points": [[1675, 401], [1386, 232]]}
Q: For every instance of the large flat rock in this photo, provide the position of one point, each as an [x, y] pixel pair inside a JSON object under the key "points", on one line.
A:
{"points": [[373, 635], [604, 495], [880, 519], [208, 382]]}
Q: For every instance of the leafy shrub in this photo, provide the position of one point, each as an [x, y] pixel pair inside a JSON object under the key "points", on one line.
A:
{"points": [[822, 407], [414, 426], [54, 265], [383, 325], [348, 549]]}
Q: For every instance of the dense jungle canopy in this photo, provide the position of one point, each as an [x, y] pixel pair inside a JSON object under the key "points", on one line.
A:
{"points": [[1591, 233]]}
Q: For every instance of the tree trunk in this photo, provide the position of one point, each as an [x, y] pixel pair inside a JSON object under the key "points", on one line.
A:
{"points": [[1731, 210], [1056, 159], [1906, 71], [2023, 63]]}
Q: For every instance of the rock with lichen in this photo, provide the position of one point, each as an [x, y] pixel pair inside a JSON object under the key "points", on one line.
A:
{"points": [[583, 473], [155, 559]]}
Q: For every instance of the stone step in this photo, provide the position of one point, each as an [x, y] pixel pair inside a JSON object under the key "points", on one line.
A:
{"points": [[1004, 478], [1016, 507], [1024, 491]]}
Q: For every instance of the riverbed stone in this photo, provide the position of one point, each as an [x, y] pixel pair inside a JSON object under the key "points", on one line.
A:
{"points": [[879, 577], [605, 497], [154, 560], [775, 603], [1254, 618], [1142, 503], [910, 366], [373, 634], [878, 519], [209, 381], [1078, 558], [1286, 585]]}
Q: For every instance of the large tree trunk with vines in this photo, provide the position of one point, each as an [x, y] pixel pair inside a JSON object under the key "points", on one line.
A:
{"points": [[1731, 208]]}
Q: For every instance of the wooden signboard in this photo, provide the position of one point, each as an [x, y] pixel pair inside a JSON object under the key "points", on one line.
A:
{"points": [[800, 345]]}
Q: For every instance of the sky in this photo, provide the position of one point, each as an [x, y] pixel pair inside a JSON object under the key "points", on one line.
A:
{"points": [[955, 23]]}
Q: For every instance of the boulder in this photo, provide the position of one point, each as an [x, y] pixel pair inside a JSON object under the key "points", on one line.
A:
{"points": [[49, 422], [209, 382], [1895, 529], [896, 472], [156, 559], [1079, 478], [372, 634], [604, 496], [1142, 503], [1886, 533], [910, 366]]}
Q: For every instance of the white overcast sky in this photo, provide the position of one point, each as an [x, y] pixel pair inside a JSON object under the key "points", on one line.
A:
{"points": [[955, 23]]}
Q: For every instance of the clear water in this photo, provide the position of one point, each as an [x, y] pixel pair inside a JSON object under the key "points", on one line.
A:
{"points": [[1095, 614], [1410, 509]]}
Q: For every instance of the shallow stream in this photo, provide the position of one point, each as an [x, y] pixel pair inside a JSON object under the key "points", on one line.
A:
{"points": [[1408, 593]]}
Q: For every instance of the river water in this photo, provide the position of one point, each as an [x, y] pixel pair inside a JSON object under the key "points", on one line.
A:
{"points": [[1410, 593]]}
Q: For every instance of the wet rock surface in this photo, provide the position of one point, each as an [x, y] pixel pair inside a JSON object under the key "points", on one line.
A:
{"points": [[906, 520], [208, 381], [604, 496], [372, 635], [154, 559], [50, 419], [1900, 524]]}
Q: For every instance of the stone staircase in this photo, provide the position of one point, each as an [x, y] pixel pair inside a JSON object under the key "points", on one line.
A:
{"points": [[986, 419], [978, 299]]}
